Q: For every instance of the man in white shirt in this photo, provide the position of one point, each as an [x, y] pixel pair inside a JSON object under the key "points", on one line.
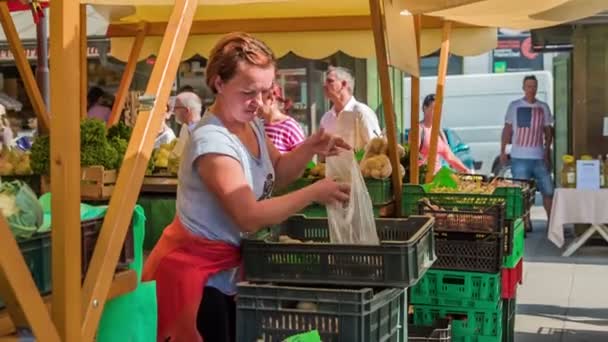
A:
{"points": [[187, 109], [350, 119]]}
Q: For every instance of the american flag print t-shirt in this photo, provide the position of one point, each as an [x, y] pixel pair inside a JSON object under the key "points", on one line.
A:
{"points": [[529, 121], [285, 135]]}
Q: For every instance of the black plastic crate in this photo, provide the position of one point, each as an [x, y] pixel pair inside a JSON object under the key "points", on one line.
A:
{"points": [[36, 252], [479, 221], [509, 308], [441, 331], [270, 313], [466, 219], [473, 255], [405, 253], [90, 233]]}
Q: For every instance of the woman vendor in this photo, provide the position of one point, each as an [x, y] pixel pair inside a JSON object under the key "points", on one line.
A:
{"points": [[227, 173]]}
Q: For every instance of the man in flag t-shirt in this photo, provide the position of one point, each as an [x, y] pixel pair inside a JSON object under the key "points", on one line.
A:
{"points": [[529, 129]]}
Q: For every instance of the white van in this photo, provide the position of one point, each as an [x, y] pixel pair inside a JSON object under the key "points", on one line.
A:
{"points": [[475, 106]]}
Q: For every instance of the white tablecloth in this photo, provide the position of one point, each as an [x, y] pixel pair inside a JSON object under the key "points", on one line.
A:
{"points": [[576, 206]]}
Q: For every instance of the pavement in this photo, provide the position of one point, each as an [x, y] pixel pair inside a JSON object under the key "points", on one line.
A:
{"points": [[562, 299]]}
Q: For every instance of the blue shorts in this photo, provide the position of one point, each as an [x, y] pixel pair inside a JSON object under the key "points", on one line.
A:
{"points": [[533, 169]]}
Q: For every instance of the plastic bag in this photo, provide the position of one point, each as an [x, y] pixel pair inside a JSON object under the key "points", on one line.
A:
{"points": [[353, 222], [25, 217]]}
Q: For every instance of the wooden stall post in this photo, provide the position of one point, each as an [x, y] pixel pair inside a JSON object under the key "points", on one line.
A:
{"points": [[25, 71], [414, 136], [18, 290], [441, 74], [84, 66], [127, 76], [379, 26], [130, 178]]}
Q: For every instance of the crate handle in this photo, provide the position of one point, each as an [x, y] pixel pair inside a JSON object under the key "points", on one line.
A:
{"points": [[456, 316], [453, 280]]}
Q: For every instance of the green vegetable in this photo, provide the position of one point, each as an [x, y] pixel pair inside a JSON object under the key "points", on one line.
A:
{"points": [[120, 145], [120, 130], [95, 147], [40, 158]]}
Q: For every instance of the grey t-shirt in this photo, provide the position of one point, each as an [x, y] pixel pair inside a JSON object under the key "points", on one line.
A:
{"points": [[198, 208]]}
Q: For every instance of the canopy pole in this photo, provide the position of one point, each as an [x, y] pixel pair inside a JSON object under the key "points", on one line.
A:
{"points": [[379, 26], [42, 63], [130, 178], [441, 74], [19, 292], [25, 71], [65, 168], [414, 136], [84, 66], [127, 76]]}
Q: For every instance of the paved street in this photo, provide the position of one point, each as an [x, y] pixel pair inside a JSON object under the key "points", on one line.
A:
{"points": [[562, 299]]}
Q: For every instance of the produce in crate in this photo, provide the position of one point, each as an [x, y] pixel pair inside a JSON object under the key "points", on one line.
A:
{"points": [[476, 186], [376, 163], [165, 160], [14, 162], [96, 148], [460, 219]]}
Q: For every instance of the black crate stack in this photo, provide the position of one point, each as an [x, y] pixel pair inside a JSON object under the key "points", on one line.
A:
{"points": [[348, 293]]}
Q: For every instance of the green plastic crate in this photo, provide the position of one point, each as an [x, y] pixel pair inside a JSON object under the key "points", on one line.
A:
{"points": [[296, 185], [457, 289], [380, 190], [519, 232], [468, 325], [515, 206], [37, 254]]}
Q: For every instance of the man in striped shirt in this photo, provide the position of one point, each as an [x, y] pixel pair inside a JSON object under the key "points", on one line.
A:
{"points": [[528, 127]]}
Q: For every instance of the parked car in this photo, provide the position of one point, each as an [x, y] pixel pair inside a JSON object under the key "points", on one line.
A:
{"points": [[460, 149]]}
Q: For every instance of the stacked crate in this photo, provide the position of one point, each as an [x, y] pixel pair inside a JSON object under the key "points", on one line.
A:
{"points": [[347, 293], [479, 246]]}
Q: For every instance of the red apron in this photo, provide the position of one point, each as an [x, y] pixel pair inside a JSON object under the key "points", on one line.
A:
{"points": [[181, 263]]}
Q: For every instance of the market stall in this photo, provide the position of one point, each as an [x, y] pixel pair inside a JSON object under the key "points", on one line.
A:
{"points": [[76, 318]]}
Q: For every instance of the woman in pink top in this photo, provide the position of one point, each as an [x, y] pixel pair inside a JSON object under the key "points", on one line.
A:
{"points": [[283, 130], [443, 149]]}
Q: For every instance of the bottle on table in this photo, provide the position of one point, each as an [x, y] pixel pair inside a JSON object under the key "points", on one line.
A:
{"points": [[568, 176]]}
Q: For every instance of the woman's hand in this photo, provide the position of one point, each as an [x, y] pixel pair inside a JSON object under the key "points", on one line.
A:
{"points": [[328, 191], [326, 145]]}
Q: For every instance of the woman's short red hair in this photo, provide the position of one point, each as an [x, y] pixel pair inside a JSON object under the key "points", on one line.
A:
{"points": [[234, 48]]}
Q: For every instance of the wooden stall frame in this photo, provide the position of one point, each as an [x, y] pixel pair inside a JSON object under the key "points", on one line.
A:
{"points": [[24, 303], [129, 72], [441, 75], [65, 167], [25, 71], [379, 25], [122, 203], [414, 136], [84, 64]]}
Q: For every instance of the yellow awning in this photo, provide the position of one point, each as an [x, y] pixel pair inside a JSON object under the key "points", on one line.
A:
{"points": [[345, 27], [522, 14], [422, 6]]}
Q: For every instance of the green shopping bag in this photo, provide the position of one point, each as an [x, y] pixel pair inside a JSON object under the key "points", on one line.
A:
{"points": [[311, 336]]}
